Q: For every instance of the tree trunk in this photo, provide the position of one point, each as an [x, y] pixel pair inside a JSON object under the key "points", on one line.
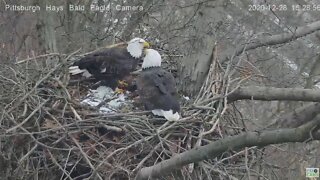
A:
{"points": [[195, 66], [46, 33]]}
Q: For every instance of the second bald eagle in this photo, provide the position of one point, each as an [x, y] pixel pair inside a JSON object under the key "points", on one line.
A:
{"points": [[111, 64], [157, 87]]}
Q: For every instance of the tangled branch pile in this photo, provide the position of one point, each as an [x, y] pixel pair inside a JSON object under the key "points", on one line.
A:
{"points": [[45, 131]]}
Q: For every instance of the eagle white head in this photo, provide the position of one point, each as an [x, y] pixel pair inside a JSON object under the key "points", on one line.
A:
{"points": [[136, 46], [152, 59]]}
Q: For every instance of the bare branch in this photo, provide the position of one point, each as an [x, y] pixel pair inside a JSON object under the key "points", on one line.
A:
{"points": [[271, 93], [277, 39], [215, 149], [29, 117], [298, 116], [38, 57]]}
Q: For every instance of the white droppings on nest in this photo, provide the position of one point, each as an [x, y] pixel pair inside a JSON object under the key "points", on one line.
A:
{"points": [[91, 102], [102, 93], [106, 98], [105, 110], [186, 98], [116, 103]]}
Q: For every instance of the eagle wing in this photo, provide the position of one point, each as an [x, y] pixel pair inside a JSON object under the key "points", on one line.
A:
{"points": [[168, 83], [165, 82], [112, 61], [108, 65], [157, 89]]}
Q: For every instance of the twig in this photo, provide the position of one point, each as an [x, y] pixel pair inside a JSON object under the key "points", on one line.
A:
{"points": [[57, 164], [34, 88], [146, 158], [27, 119], [112, 128], [85, 156], [37, 57], [29, 152], [77, 116]]}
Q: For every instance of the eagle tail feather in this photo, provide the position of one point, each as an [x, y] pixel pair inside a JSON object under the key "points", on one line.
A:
{"points": [[157, 112], [169, 115], [74, 70]]}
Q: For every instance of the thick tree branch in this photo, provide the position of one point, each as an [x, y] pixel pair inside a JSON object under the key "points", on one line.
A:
{"points": [[298, 116], [276, 39], [215, 149], [314, 71], [271, 93], [307, 115], [293, 119]]}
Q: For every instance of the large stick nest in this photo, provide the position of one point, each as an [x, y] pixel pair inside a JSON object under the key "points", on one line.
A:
{"points": [[47, 133]]}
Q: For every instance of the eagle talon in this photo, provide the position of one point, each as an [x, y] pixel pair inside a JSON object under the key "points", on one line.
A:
{"points": [[122, 83], [119, 91]]}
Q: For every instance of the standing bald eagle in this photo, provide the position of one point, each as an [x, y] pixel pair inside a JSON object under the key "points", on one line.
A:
{"points": [[113, 64], [157, 87]]}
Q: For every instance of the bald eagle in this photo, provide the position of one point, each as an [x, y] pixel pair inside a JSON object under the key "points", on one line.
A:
{"points": [[157, 88], [111, 65]]}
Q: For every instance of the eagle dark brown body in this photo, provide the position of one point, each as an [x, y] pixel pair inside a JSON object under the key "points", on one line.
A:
{"points": [[109, 65], [157, 89]]}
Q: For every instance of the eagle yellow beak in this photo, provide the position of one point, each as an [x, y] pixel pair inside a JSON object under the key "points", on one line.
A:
{"points": [[146, 44]]}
